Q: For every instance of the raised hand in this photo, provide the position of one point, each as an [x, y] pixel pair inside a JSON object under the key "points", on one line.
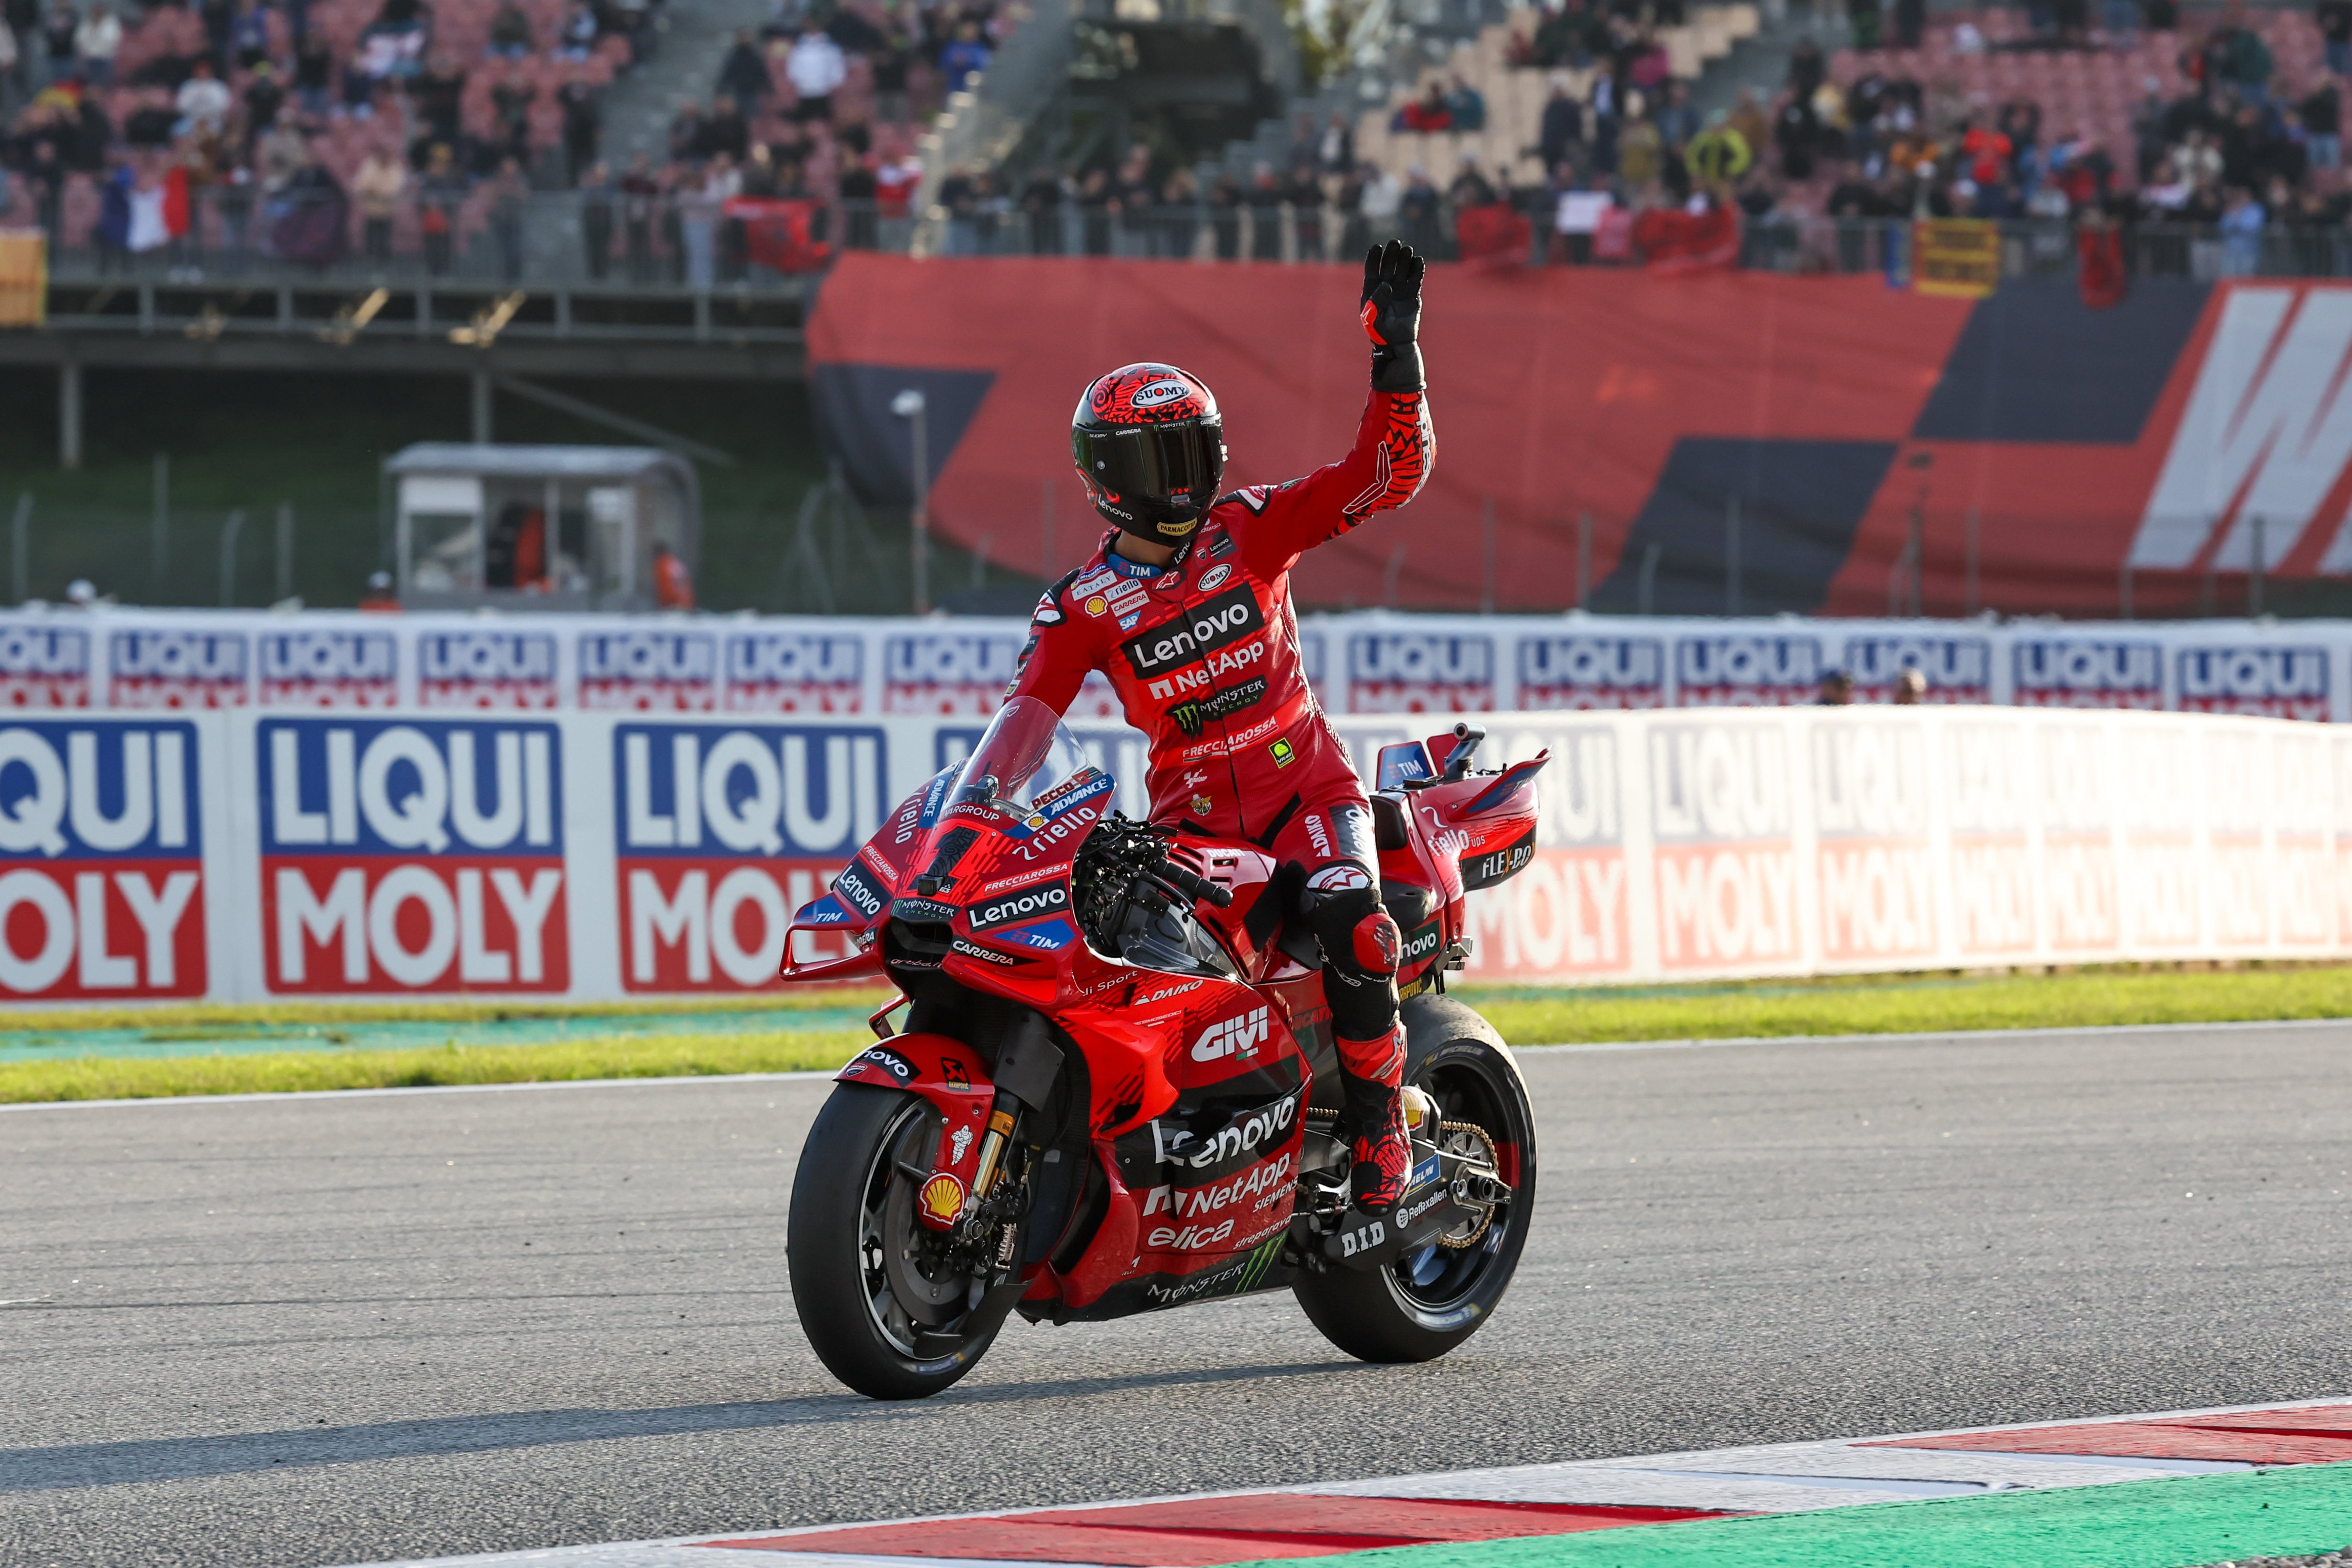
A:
{"points": [[1391, 315]]}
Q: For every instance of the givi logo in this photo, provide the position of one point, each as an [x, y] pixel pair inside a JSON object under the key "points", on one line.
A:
{"points": [[1234, 1036]]}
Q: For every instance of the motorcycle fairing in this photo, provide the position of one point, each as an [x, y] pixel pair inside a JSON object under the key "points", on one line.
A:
{"points": [[947, 1074]]}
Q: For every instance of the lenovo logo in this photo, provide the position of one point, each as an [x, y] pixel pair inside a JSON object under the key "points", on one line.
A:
{"points": [[1052, 898], [1201, 631]]}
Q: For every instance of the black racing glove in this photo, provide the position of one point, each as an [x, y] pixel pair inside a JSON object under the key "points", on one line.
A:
{"points": [[1391, 316]]}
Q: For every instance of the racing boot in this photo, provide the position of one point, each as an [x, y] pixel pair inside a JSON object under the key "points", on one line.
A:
{"points": [[1381, 1159]]}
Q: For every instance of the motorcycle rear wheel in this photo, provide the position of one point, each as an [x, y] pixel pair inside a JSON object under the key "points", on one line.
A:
{"points": [[882, 1307], [1429, 1301]]}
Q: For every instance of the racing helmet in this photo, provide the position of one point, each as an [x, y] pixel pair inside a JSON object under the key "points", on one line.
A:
{"points": [[1151, 446]]}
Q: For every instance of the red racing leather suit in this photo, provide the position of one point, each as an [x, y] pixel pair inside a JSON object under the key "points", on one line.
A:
{"points": [[1203, 653]]}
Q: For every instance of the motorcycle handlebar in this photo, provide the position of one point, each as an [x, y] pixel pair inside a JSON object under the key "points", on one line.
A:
{"points": [[1199, 889]]}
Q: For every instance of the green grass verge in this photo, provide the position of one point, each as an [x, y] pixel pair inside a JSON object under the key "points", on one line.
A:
{"points": [[1917, 1004], [1872, 1005], [653, 1056], [210, 1015]]}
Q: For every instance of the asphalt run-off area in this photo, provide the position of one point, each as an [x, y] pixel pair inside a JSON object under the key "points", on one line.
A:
{"points": [[347, 1328]]}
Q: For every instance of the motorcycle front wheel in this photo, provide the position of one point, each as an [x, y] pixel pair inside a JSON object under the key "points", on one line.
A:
{"points": [[885, 1306], [1431, 1300]]}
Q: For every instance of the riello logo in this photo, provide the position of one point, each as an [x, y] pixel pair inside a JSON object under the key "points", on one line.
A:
{"points": [[421, 856], [1232, 1037]]}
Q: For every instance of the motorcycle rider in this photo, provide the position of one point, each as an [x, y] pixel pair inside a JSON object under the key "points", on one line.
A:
{"points": [[1185, 606]]}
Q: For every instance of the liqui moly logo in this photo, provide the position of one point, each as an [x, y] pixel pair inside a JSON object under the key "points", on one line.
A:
{"points": [[101, 863], [44, 666], [330, 669], [724, 831], [648, 672], [2259, 678], [947, 671], [1419, 672], [2264, 441], [795, 671], [486, 670], [1747, 670], [1956, 669], [1592, 673], [412, 856], [177, 669], [2083, 672]]}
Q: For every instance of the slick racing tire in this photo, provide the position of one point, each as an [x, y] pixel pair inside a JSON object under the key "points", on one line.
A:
{"points": [[884, 1308], [1431, 1300]]}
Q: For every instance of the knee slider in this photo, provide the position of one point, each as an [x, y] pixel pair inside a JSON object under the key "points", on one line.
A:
{"points": [[1348, 924], [1378, 943]]}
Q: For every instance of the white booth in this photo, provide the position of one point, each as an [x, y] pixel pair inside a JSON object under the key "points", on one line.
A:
{"points": [[539, 527]]}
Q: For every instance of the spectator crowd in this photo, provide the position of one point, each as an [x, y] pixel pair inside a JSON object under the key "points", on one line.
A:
{"points": [[412, 132], [315, 131]]}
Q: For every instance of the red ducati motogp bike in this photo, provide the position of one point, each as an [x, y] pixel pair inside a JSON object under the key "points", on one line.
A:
{"points": [[1116, 1089]]}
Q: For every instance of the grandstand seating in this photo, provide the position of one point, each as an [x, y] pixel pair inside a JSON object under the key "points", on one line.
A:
{"points": [[1515, 97], [2092, 90]]}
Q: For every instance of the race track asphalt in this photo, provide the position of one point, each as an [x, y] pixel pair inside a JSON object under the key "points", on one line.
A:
{"points": [[334, 1330]]}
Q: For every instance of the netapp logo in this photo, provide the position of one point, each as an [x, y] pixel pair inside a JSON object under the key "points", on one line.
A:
{"points": [[1220, 622], [1189, 716], [1052, 898]]}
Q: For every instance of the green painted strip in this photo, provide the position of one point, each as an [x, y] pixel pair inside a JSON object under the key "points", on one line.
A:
{"points": [[2176, 1524]]}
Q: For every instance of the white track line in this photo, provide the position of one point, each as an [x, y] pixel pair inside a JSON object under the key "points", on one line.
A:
{"points": [[1781, 1477], [1965, 1036]]}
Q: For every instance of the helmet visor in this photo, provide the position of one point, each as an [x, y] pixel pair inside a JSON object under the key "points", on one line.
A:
{"points": [[1173, 463]]}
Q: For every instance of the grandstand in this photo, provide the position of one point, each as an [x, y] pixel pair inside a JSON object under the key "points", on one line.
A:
{"points": [[1514, 95]]}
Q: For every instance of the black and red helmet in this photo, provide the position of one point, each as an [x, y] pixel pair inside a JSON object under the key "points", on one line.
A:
{"points": [[1151, 446]]}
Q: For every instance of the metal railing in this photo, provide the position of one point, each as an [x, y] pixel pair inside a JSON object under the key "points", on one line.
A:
{"points": [[688, 243]]}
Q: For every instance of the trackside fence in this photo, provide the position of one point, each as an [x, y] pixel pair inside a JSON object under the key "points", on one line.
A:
{"points": [[251, 852]]}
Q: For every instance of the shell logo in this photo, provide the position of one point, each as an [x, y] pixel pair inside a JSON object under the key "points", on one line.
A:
{"points": [[942, 1198], [1096, 605]]}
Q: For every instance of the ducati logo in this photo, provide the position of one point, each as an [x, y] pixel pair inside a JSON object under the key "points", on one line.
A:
{"points": [[1232, 1037]]}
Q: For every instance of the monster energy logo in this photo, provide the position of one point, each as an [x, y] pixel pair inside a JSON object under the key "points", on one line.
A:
{"points": [[1190, 716]]}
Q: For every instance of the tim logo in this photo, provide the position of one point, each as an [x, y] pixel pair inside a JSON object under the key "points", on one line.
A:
{"points": [[2082, 672], [2267, 435], [724, 831], [176, 669], [1233, 1036], [1592, 673], [1419, 672], [1956, 669], [795, 671], [330, 669], [648, 672], [486, 670], [421, 856], [44, 667], [1742, 671], [947, 671], [102, 867], [2266, 680]]}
